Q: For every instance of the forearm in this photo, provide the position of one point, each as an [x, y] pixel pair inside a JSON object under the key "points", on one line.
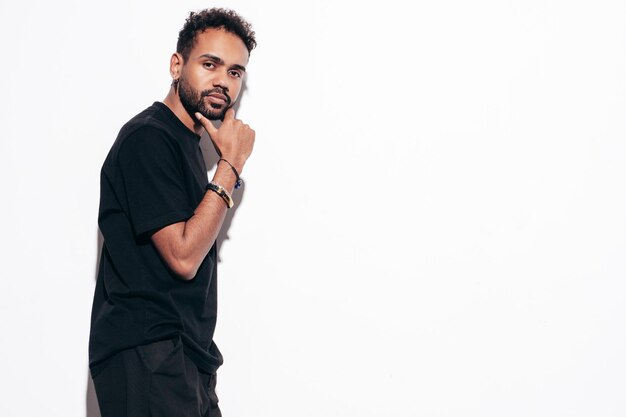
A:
{"points": [[184, 245]]}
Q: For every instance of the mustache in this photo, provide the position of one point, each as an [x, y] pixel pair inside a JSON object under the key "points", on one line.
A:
{"points": [[217, 90]]}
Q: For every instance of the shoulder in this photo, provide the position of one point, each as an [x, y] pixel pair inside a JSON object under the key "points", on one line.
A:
{"points": [[153, 118], [146, 133], [146, 139]]}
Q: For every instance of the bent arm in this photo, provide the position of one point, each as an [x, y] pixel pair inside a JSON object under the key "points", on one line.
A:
{"points": [[184, 245]]}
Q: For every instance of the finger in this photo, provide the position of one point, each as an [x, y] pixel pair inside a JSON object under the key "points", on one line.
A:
{"points": [[230, 114], [208, 125]]}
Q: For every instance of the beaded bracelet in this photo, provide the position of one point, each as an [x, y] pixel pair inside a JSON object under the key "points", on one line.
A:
{"points": [[239, 182]]}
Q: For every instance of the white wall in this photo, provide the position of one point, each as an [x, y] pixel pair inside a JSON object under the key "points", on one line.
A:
{"points": [[433, 222]]}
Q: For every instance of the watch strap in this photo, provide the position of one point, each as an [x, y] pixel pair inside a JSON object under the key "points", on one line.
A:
{"points": [[221, 191]]}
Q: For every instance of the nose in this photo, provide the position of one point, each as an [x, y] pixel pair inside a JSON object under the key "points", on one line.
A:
{"points": [[221, 80]]}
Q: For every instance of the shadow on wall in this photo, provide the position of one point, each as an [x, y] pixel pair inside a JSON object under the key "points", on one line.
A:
{"points": [[210, 159], [92, 401], [93, 410]]}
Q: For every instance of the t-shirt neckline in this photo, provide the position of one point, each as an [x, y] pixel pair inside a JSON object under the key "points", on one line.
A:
{"points": [[170, 114]]}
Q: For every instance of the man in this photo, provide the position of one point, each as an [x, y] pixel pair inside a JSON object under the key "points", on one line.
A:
{"points": [[151, 345]]}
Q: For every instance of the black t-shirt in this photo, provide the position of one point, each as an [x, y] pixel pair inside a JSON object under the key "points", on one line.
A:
{"points": [[153, 176]]}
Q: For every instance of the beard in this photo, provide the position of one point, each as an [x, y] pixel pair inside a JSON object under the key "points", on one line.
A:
{"points": [[193, 101]]}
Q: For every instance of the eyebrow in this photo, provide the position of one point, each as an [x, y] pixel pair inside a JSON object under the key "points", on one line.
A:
{"points": [[220, 61]]}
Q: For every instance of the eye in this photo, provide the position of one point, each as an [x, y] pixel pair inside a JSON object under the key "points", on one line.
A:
{"points": [[208, 65], [235, 73]]}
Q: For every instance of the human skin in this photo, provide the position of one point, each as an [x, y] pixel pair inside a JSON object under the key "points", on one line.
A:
{"points": [[217, 61]]}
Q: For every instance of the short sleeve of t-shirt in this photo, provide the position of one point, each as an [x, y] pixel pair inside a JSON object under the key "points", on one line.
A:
{"points": [[150, 168]]}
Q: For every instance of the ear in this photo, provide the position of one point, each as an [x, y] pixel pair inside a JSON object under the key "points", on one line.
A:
{"points": [[176, 65]]}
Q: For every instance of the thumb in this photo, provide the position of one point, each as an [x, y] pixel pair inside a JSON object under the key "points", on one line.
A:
{"points": [[230, 114], [207, 124]]}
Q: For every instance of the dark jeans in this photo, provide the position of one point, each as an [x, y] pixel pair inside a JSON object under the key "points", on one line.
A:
{"points": [[155, 380]]}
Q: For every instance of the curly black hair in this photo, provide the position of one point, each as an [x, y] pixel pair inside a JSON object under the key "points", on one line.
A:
{"points": [[226, 19]]}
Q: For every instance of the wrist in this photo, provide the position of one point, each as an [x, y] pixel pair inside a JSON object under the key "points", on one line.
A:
{"points": [[233, 169], [234, 161], [224, 175]]}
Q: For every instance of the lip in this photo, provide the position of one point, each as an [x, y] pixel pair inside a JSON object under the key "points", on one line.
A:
{"points": [[217, 98]]}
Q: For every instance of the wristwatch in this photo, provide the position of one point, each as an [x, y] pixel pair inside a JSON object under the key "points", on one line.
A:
{"points": [[221, 192]]}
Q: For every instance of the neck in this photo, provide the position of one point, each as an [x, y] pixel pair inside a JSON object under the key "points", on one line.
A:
{"points": [[173, 102]]}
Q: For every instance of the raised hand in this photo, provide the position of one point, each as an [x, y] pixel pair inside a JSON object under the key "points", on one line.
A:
{"points": [[233, 140]]}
